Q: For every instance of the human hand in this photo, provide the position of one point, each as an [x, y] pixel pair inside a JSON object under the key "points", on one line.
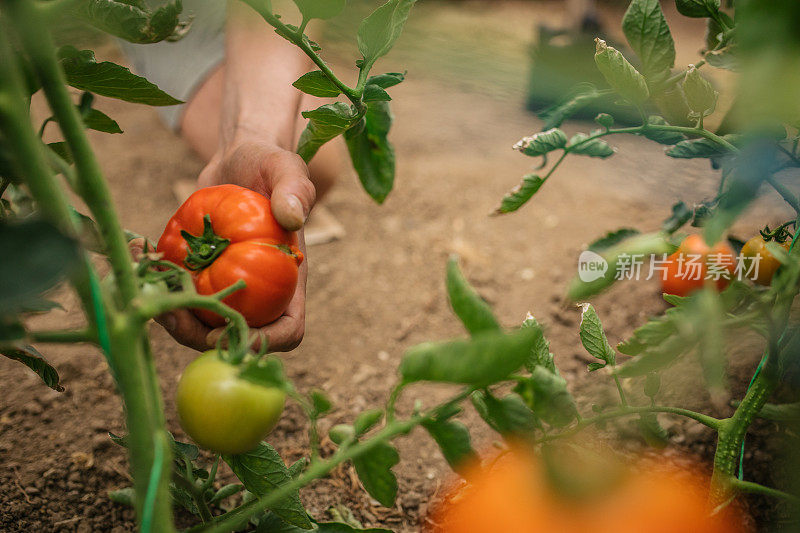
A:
{"points": [[282, 176]]}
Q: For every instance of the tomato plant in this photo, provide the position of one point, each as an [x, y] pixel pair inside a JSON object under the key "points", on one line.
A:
{"points": [[226, 233]]}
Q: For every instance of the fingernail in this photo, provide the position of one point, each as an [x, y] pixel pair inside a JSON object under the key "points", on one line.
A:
{"points": [[296, 206]]}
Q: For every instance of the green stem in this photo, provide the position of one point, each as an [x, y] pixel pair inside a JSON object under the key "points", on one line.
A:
{"points": [[391, 403], [212, 475], [622, 396], [64, 336], [756, 488], [706, 420], [313, 429], [785, 193], [197, 495], [29, 25], [239, 516]]}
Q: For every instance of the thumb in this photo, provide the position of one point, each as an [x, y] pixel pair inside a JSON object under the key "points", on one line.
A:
{"points": [[293, 194]]}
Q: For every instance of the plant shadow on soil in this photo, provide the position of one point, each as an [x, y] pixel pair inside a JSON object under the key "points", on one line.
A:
{"points": [[381, 289]]}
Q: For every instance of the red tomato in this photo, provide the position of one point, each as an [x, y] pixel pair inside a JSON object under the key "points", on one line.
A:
{"points": [[226, 233], [516, 494], [695, 263]]}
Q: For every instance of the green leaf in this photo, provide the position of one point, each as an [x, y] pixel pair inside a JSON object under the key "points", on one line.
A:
{"points": [[652, 431], [547, 396], [681, 214], [605, 120], [126, 496], [620, 74], [611, 239], [711, 343], [519, 195], [99, 121], [375, 93], [725, 58], [647, 32], [371, 152], [579, 97], [320, 402], [593, 337], [30, 357], [42, 256], [697, 8], [367, 420], [540, 352], [700, 95], [378, 32], [485, 359], [109, 79], [341, 433], [324, 123], [133, 21], [471, 309], [702, 148], [454, 441], [374, 469], [509, 416], [652, 384], [226, 492], [261, 471], [390, 79], [320, 9], [316, 83], [61, 149], [594, 148], [266, 372], [786, 412], [662, 137], [542, 142]]}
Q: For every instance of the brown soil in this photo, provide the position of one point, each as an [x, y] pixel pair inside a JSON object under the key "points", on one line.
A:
{"points": [[380, 290]]}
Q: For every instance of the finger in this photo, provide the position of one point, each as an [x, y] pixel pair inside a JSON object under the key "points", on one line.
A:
{"points": [[186, 329], [293, 195]]}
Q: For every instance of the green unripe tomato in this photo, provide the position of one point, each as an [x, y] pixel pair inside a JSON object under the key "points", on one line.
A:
{"points": [[222, 412]]}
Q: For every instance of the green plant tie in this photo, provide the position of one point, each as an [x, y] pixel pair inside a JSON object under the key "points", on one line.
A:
{"points": [[757, 372], [152, 485]]}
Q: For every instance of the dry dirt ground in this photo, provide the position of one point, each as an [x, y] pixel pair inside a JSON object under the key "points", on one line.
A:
{"points": [[381, 289]]}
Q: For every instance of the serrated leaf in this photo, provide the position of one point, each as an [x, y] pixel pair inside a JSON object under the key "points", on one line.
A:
{"points": [[681, 214], [454, 441], [367, 420], [320, 9], [785, 412], [262, 470], [547, 396], [226, 492], [374, 469], [316, 83], [389, 79], [380, 30], [61, 149], [593, 337], [595, 366], [579, 97], [471, 309], [652, 384], [702, 148], [485, 359], [697, 8], [700, 95], [519, 195], [324, 123], [109, 79], [267, 372], [320, 402], [662, 137], [652, 431], [375, 93], [648, 34], [620, 74], [133, 21], [30, 357], [723, 58], [540, 352], [371, 152], [509, 416], [542, 142], [99, 121], [43, 256], [605, 120], [593, 148], [612, 238]]}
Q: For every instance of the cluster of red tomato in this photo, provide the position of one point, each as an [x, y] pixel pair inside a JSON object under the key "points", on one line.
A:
{"points": [[682, 281]]}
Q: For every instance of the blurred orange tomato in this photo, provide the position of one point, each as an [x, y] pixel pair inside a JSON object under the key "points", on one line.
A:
{"points": [[688, 269], [516, 495]]}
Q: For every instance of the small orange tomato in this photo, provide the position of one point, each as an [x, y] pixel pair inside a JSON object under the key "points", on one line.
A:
{"points": [[767, 265], [226, 233], [695, 264]]}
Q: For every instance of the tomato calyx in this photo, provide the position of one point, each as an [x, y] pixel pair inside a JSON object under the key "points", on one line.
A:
{"points": [[205, 248]]}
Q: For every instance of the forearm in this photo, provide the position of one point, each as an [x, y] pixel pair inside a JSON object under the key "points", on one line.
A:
{"points": [[259, 102]]}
